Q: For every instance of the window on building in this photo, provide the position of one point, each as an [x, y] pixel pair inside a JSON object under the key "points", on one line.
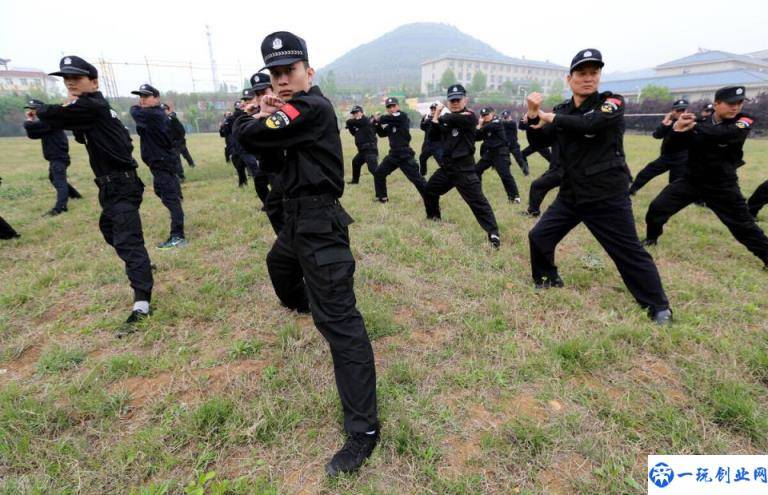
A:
{"points": [[9, 81]]}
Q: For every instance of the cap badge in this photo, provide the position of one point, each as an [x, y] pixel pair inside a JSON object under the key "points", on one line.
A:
{"points": [[67, 61], [739, 91], [277, 44], [587, 54]]}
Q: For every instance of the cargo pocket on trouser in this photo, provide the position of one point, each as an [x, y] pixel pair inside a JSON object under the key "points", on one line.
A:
{"points": [[329, 280]]}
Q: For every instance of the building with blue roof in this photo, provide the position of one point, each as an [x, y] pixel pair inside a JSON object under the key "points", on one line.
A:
{"points": [[698, 76]]}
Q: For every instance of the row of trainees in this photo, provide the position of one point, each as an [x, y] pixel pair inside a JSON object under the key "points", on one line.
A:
{"points": [[292, 129], [163, 143]]}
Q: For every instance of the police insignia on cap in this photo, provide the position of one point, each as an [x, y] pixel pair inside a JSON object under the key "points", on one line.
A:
{"points": [[587, 54], [739, 91], [277, 44], [67, 61], [455, 132]]}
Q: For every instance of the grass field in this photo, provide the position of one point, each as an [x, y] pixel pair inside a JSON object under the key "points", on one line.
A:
{"points": [[485, 386]]}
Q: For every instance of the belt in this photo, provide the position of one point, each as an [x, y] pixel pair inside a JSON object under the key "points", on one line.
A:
{"points": [[306, 202], [103, 179]]}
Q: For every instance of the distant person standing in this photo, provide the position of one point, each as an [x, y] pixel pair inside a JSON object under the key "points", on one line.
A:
{"points": [[235, 149], [668, 161], [6, 231], [159, 153], [433, 143], [361, 127], [395, 125], [179, 133], [510, 130], [457, 129], [109, 148], [544, 183], [56, 152], [494, 152]]}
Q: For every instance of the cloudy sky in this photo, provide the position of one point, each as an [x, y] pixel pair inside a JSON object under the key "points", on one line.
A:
{"points": [[631, 35]]}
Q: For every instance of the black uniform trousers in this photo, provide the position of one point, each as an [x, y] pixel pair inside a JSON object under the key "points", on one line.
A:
{"points": [[547, 181], [273, 206], [120, 224], [261, 179], [312, 268], [6, 231], [517, 154], [499, 160], [168, 189], [433, 149], [657, 167], [758, 199], [184, 151], [391, 162], [370, 158], [57, 175], [613, 225], [529, 150], [239, 165], [724, 199], [464, 178]]}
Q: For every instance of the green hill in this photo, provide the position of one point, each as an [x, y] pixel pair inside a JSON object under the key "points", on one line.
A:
{"points": [[393, 59]]}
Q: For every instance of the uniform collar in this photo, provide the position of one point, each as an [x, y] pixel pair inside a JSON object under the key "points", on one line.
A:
{"points": [[587, 104]]}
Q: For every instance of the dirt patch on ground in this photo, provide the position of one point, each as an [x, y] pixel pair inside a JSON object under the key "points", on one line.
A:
{"points": [[23, 366], [563, 470], [190, 384], [459, 453], [652, 371]]}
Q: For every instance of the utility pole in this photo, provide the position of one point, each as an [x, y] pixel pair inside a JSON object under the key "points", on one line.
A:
{"points": [[149, 74], [213, 62], [192, 77]]}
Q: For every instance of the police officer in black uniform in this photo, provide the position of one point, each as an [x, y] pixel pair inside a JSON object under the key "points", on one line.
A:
{"points": [[758, 199], [510, 130], [544, 183], [531, 148], [494, 152], [179, 133], [159, 153], [56, 152], [395, 125], [251, 161], [587, 133], [433, 143], [672, 161], [311, 264], [706, 111], [361, 127], [235, 150], [225, 131], [457, 129], [109, 148], [6, 231], [714, 154]]}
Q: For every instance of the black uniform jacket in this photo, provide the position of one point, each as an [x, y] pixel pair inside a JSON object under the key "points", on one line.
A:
{"points": [[54, 140], [588, 142], [305, 131], [97, 126]]}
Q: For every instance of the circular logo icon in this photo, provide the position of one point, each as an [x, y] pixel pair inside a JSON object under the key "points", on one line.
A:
{"points": [[277, 44], [455, 132], [661, 474], [739, 91], [587, 54], [67, 61]]}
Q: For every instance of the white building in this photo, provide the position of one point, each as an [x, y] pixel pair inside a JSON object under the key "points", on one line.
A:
{"points": [[698, 76], [520, 72], [21, 81]]}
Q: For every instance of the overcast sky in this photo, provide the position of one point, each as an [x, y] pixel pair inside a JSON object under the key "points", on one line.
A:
{"points": [[631, 35]]}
